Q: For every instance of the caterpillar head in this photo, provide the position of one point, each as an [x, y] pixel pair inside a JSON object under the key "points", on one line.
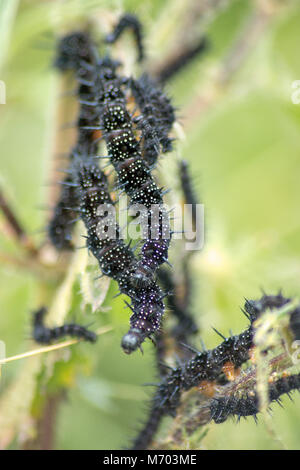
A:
{"points": [[132, 340]]}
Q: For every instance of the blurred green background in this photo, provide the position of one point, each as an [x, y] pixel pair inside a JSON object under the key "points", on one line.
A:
{"points": [[242, 138]]}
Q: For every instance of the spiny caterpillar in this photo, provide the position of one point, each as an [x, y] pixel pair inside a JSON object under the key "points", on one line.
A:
{"points": [[60, 227], [134, 119], [103, 108], [44, 335], [134, 174], [128, 21], [101, 97], [221, 408], [207, 366], [188, 191], [73, 53], [186, 325], [115, 258], [156, 119], [178, 287]]}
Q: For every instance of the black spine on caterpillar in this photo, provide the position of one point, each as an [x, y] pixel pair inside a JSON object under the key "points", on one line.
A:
{"points": [[115, 258], [156, 119], [174, 66], [128, 21], [221, 408], [208, 365], [45, 335]]}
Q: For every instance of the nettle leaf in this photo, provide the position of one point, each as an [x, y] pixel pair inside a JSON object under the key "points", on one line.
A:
{"points": [[93, 288]]}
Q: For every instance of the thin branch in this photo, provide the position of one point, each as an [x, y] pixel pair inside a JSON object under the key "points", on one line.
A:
{"points": [[246, 42], [15, 227]]}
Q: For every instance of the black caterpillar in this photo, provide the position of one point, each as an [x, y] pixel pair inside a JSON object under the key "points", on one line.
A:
{"points": [[135, 139], [101, 89], [178, 300], [134, 175], [221, 408], [101, 98], [45, 335], [74, 52], [181, 60], [295, 323], [115, 258], [186, 325], [188, 191], [156, 119], [60, 227], [180, 305], [128, 21], [206, 366]]}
